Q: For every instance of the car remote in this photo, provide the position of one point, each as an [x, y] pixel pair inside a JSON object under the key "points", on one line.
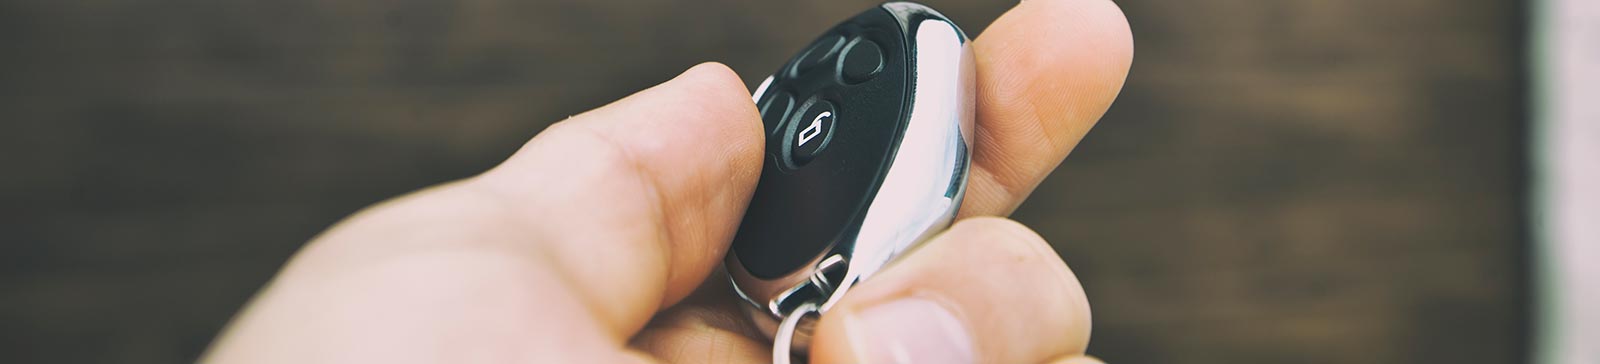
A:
{"points": [[869, 133]]}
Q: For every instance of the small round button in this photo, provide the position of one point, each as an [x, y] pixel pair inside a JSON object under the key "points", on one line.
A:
{"points": [[818, 53], [810, 134], [775, 110], [861, 61]]}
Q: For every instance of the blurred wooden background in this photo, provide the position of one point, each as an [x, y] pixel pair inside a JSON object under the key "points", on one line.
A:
{"points": [[1298, 181]]}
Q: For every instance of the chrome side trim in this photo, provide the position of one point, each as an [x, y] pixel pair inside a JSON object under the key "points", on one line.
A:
{"points": [[927, 177], [761, 90]]}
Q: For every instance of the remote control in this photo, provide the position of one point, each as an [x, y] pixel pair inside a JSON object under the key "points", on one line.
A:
{"points": [[869, 133]]}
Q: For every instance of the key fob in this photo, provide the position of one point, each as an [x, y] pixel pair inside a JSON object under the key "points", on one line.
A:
{"points": [[869, 133]]}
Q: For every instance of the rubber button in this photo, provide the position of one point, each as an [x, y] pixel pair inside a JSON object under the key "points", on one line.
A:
{"points": [[810, 134], [776, 110], [818, 53], [862, 60]]}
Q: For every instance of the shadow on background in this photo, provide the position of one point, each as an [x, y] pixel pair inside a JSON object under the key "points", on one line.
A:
{"points": [[1303, 181]]}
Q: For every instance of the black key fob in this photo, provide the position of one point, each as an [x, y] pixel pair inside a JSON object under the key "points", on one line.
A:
{"points": [[869, 133]]}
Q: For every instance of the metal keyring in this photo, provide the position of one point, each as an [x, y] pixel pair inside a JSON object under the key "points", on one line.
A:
{"points": [[782, 342]]}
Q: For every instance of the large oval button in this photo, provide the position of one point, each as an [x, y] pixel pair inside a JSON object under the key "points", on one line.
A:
{"points": [[862, 59], [817, 54]]}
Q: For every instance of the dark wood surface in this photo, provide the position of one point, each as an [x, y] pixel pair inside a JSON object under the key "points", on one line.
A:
{"points": [[1302, 181]]}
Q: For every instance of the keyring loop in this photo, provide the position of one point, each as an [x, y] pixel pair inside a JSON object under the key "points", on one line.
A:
{"points": [[784, 339]]}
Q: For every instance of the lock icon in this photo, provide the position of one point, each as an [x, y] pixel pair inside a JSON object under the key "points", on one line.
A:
{"points": [[814, 129], [807, 140]]}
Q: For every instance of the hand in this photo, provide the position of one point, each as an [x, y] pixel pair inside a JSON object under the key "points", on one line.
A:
{"points": [[599, 241]]}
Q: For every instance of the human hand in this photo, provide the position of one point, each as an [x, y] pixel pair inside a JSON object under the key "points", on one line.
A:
{"points": [[599, 240]]}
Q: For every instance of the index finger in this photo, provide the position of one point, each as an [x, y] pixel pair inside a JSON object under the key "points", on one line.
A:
{"points": [[1047, 71]]}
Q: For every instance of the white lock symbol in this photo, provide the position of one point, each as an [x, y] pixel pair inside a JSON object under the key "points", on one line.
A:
{"points": [[815, 128]]}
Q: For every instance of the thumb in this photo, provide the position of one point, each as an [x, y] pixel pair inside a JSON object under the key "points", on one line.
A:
{"points": [[571, 244], [638, 200]]}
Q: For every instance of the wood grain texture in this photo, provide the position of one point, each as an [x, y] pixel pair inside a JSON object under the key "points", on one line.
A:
{"points": [[1302, 181]]}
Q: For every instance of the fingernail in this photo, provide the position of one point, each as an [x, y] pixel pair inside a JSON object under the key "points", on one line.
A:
{"points": [[908, 330]]}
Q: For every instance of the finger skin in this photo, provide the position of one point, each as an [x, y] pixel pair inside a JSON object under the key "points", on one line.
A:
{"points": [[639, 199], [1077, 359], [1047, 71], [491, 263], [1018, 300], [557, 255], [709, 326]]}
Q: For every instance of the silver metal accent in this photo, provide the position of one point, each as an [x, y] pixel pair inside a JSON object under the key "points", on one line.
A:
{"points": [[787, 332], [761, 90], [919, 197], [819, 277], [924, 186]]}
